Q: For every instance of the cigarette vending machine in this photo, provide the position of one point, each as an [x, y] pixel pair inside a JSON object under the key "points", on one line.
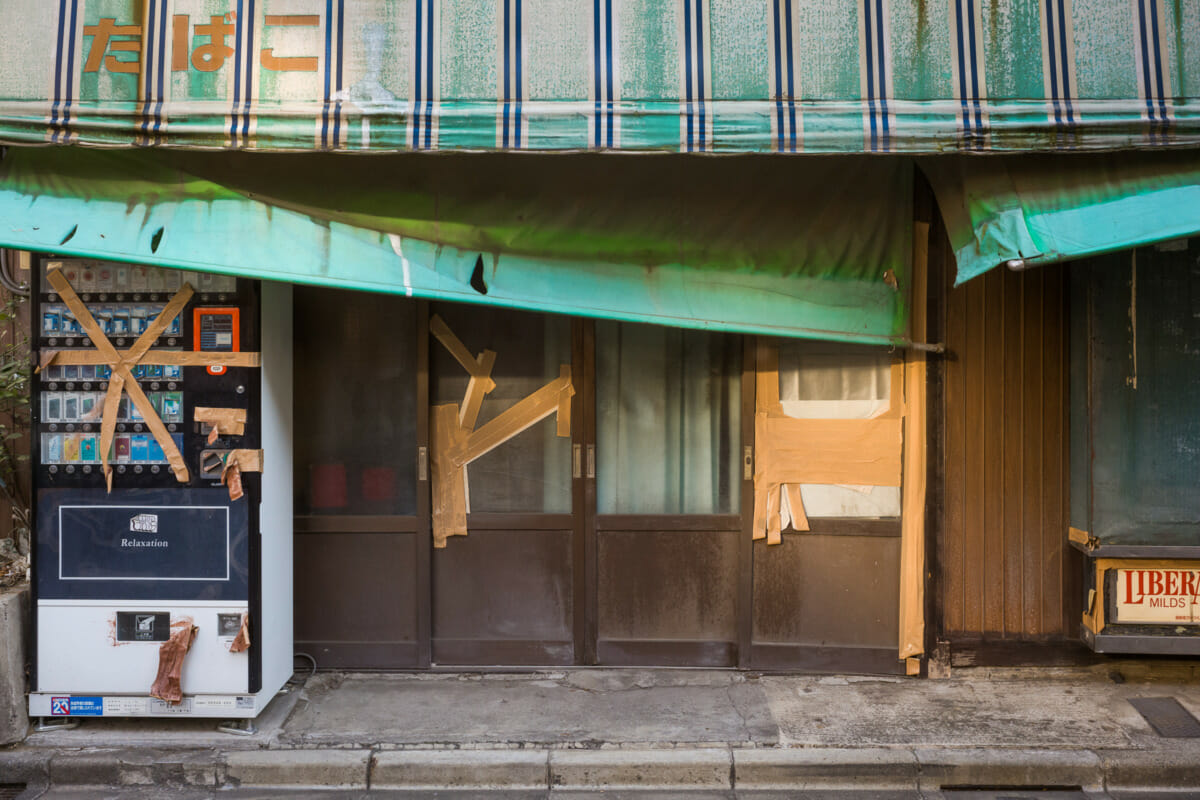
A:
{"points": [[163, 491]]}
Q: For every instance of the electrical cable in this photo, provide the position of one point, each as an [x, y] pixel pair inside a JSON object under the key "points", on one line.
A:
{"points": [[7, 279], [313, 671]]}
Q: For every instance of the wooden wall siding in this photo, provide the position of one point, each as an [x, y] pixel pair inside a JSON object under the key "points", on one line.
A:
{"points": [[1004, 572]]}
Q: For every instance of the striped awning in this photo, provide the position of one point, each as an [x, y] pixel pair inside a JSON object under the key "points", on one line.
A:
{"points": [[827, 76]]}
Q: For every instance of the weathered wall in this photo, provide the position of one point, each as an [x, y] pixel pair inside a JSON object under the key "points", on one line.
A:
{"points": [[14, 615]]}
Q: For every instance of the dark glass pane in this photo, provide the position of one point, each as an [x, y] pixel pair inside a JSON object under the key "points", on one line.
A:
{"points": [[355, 402], [530, 472], [1145, 377], [668, 404]]}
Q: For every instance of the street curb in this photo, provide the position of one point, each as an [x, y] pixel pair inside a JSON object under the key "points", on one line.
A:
{"points": [[299, 769], [449, 769], [133, 767], [766, 771], [1150, 769], [950, 767], [641, 769], [815, 769], [24, 765]]}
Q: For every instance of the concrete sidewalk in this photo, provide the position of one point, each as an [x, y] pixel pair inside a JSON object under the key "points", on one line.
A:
{"points": [[683, 732]]}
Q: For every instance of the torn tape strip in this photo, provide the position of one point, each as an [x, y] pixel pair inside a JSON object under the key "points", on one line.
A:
{"points": [[224, 421]]}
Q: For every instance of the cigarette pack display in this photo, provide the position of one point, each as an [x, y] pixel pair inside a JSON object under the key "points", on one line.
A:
{"points": [[139, 448], [51, 448], [172, 407]]}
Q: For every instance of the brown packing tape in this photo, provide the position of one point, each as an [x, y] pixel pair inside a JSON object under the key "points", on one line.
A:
{"points": [[449, 489], [241, 642], [247, 460], [855, 451], [224, 421], [167, 683], [766, 382], [231, 476], [461, 354], [912, 513], [796, 503], [563, 419], [121, 363], [477, 387], [455, 442], [912, 507], [185, 358], [1082, 537], [528, 411], [174, 358], [791, 451], [774, 524], [108, 425], [761, 508]]}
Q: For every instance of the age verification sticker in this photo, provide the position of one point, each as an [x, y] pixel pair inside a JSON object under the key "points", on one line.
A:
{"points": [[77, 706]]}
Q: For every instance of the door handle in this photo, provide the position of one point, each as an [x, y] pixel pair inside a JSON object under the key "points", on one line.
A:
{"points": [[591, 461], [577, 460], [748, 462]]}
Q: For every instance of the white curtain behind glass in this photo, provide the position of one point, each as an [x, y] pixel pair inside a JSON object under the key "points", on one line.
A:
{"points": [[668, 419]]}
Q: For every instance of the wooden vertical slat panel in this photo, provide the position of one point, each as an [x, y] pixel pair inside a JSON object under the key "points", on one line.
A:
{"points": [[1009, 431], [1033, 455], [953, 558], [974, 512], [992, 451], [1005, 573], [1060, 606]]}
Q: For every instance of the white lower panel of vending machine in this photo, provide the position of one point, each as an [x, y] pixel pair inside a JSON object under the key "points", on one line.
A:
{"points": [[226, 707], [50, 704], [80, 650]]}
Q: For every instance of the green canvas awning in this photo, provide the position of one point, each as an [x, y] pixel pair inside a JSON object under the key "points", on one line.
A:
{"points": [[1040, 209], [825, 76], [817, 247]]}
